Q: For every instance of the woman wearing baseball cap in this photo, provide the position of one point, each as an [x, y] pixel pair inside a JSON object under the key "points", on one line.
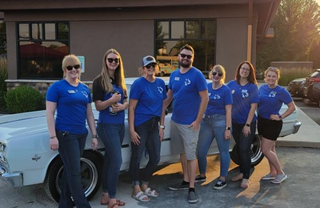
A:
{"points": [[146, 126]]}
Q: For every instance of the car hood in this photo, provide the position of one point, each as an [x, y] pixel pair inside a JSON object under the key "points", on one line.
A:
{"points": [[22, 124], [299, 80]]}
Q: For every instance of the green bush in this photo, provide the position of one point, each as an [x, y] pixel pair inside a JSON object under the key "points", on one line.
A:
{"points": [[3, 74], [3, 77], [288, 74], [23, 99]]}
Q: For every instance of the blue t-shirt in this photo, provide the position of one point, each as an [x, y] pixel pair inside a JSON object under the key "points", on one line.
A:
{"points": [[218, 99], [186, 97], [150, 96], [71, 106], [99, 94], [243, 97], [271, 100]]}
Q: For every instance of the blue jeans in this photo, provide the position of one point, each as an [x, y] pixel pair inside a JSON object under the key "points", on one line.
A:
{"points": [[112, 137], [149, 138], [244, 146], [213, 127], [71, 147]]}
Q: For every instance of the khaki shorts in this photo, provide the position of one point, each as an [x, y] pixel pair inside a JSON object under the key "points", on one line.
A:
{"points": [[184, 140]]}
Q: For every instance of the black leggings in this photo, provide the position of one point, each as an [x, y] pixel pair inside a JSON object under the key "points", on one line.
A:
{"points": [[243, 144]]}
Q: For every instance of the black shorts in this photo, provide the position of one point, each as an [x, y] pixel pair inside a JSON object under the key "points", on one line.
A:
{"points": [[269, 129]]}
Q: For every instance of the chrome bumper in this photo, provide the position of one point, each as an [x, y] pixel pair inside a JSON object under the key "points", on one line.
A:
{"points": [[296, 126], [15, 179]]}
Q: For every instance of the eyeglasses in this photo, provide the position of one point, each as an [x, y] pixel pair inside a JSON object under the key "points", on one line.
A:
{"points": [[185, 55], [216, 73], [69, 68], [115, 60], [150, 65]]}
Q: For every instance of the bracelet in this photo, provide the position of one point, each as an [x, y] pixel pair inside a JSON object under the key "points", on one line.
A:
{"points": [[162, 127], [95, 136], [53, 137]]}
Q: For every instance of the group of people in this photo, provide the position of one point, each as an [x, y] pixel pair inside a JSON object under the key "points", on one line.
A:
{"points": [[201, 112]]}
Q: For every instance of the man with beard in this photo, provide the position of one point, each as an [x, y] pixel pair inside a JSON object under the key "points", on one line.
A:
{"points": [[188, 89]]}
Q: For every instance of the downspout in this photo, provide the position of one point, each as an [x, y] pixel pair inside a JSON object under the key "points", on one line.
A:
{"points": [[249, 38]]}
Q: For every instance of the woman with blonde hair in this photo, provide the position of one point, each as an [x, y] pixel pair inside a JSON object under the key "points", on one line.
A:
{"points": [[216, 123], [110, 98], [68, 132], [272, 96]]}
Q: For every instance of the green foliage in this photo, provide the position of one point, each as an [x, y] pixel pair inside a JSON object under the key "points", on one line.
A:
{"points": [[3, 77], [3, 74], [297, 32], [23, 99], [288, 74]]}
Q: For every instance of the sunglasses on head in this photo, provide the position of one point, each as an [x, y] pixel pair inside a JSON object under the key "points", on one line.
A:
{"points": [[185, 55], [115, 60], [150, 65], [69, 68], [216, 73]]}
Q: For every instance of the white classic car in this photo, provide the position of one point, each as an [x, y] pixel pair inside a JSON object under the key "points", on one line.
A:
{"points": [[26, 159]]}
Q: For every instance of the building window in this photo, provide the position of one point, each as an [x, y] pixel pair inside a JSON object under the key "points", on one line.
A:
{"points": [[41, 48], [171, 35], [3, 40]]}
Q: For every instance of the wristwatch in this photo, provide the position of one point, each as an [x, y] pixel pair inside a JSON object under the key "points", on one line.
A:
{"points": [[248, 125], [162, 127], [95, 136], [228, 128]]}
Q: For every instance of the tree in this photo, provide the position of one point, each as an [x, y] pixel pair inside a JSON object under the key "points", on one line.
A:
{"points": [[297, 30]]}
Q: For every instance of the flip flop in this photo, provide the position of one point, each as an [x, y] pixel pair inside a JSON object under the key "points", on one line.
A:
{"points": [[140, 196], [153, 193]]}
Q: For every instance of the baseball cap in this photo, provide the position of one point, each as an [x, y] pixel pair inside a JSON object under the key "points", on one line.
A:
{"points": [[148, 60]]}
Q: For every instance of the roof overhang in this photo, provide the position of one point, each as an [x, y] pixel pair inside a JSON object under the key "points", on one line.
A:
{"points": [[263, 9]]}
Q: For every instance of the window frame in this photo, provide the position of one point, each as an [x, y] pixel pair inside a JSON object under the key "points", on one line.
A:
{"points": [[185, 20], [43, 39]]}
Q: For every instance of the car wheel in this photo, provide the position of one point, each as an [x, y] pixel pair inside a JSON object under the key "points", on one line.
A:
{"points": [[255, 152], [90, 176]]}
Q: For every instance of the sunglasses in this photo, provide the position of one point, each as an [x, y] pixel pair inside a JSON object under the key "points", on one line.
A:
{"points": [[185, 55], [151, 65], [216, 73], [115, 60], [69, 68]]}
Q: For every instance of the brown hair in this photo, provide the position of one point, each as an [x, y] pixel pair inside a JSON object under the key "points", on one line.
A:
{"points": [[187, 47], [252, 75]]}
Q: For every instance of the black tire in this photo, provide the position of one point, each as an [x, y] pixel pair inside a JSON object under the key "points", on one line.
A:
{"points": [[90, 176], [256, 152]]}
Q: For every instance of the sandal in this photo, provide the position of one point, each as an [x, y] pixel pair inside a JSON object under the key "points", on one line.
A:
{"points": [[140, 196], [115, 204], [118, 202], [151, 193]]}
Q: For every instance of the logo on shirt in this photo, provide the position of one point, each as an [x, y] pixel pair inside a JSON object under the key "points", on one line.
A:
{"points": [[187, 82], [160, 90], [71, 91], [176, 78], [272, 94], [216, 97], [244, 93], [85, 93]]}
